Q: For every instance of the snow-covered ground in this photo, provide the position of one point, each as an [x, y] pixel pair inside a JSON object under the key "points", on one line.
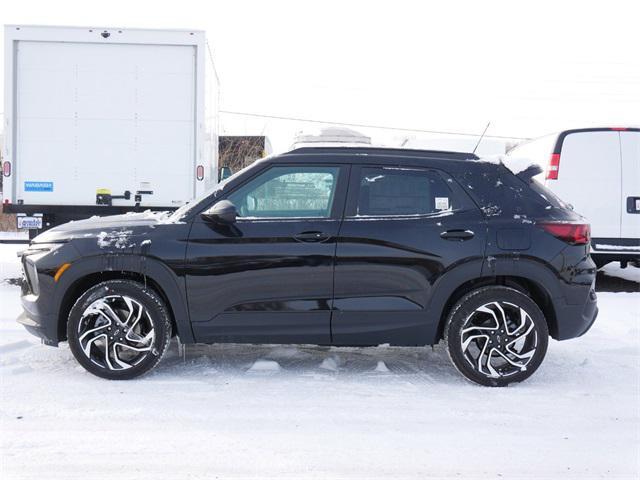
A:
{"points": [[14, 236], [310, 412]]}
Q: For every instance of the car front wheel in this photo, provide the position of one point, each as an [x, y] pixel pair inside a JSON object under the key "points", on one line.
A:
{"points": [[496, 336], [119, 329]]}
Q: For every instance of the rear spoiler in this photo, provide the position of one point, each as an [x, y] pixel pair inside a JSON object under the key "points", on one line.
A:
{"points": [[530, 172]]}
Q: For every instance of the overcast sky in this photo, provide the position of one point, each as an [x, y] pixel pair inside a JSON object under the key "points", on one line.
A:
{"points": [[529, 67]]}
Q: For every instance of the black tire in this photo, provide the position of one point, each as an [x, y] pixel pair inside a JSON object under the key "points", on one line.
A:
{"points": [[470, 330], [87, 319]]}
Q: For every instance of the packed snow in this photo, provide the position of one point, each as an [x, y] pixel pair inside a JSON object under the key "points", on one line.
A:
{"points": [[515, 164], [279, 411]]}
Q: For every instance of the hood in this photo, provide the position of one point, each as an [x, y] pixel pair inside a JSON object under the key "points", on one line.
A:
{"points": [[97, 226]]}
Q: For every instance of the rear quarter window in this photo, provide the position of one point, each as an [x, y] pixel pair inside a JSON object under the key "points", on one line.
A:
{"points": [[500, 193]]}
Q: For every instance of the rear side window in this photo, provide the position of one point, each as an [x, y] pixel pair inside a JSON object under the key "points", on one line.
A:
{"points": [[398, 191]]}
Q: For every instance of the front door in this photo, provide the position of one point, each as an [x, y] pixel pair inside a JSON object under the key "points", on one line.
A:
{"points": [[269, 276]]}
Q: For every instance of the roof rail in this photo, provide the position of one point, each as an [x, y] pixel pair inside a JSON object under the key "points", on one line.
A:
{"points": [[404, 152]]}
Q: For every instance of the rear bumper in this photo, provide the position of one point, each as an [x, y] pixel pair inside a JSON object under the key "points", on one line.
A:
{"points": [[615, 249], [575, 320]]}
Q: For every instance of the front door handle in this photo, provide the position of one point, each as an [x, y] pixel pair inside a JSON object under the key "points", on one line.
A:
{"points": [[311, 237], [459, 235]]}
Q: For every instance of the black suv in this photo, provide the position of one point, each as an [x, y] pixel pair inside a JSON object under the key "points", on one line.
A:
{"points": [[329, 246]]}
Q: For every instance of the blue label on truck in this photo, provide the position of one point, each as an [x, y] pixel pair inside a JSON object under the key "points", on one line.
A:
{"points": [[38, 186]]}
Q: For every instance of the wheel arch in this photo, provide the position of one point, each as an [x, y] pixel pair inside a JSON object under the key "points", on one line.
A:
{"points": [[150, 272], [529, 287], [529, 278]]}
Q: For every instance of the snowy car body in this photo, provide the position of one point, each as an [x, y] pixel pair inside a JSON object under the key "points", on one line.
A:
{"points": [[367, 261]]}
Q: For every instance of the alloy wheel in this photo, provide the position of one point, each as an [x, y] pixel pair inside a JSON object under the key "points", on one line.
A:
{"points": [[115, 332], [499, 339]]}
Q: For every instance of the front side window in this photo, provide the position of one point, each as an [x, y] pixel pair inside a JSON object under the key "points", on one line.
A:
{"points": [[398, 191], [288, 192]]}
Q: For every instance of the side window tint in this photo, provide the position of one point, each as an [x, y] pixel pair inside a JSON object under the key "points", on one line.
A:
{"points": [[280, 192], [396, 191]]}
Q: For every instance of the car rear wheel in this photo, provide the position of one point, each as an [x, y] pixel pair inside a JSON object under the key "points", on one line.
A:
{"points": [[496, 336], [119, 329]]}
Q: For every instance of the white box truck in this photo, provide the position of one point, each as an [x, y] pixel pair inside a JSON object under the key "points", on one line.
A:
{"points": [[105, 120], [597, 170]]}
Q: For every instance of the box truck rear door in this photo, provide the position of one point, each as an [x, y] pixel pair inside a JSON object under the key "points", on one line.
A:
{"points": [[115, 116]]}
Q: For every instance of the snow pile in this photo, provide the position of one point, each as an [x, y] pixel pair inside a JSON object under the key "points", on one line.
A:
{"points": [[381, 367], [264, 366]]}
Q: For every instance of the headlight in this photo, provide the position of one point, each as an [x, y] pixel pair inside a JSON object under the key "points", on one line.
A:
{"points": [[29, 259], [31, 274]]}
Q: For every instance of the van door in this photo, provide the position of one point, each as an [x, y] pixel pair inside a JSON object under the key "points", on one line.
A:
{"points": [[589, 179], [630, 149]]}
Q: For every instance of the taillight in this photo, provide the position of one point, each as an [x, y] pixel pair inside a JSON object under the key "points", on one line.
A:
{"points": [[554, 166], [6, 169], [572, 233], [200, 172]]}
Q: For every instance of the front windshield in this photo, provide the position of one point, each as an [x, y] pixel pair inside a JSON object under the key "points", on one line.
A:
{"points": [[185, 209]]}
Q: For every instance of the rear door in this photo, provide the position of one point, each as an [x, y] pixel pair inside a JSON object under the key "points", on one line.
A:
{"points": [[403, 228], [630, 149], [589, 179]]}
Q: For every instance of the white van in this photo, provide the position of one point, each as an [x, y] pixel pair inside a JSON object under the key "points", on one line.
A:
{"points": [[597, 170]]}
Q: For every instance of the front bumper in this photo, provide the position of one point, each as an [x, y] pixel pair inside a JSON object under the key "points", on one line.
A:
{"points": [[41, 325], [41, 290], [38, 328]]}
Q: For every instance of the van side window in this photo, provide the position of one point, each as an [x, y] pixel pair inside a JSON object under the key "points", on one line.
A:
{"points": [[399, 191]]}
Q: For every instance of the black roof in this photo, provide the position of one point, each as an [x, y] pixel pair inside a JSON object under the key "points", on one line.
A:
{"points": [[396, 152]]}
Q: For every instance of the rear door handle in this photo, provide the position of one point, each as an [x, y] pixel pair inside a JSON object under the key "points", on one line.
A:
{"points": [[311, 237], [459, 235]]}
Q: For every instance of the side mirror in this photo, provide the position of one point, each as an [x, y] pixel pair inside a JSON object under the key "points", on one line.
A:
{"points": [[225, 172], [223, 212]]}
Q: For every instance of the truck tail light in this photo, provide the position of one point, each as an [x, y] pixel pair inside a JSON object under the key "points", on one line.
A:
{"points": [[572, 233], [6, 169], [554, 166], [200, 172]]}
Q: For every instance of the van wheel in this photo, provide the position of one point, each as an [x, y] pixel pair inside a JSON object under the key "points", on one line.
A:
{"points": [[496, 336], [119, 329]]}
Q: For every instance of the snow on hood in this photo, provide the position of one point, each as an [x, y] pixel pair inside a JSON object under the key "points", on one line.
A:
{"points": [[97, 226]]}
